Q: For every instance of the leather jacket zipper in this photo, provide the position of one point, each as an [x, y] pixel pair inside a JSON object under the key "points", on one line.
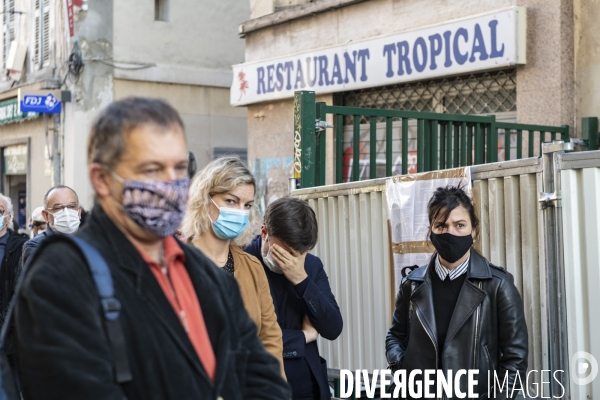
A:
{"points": [[476, 333], [430, 337]]}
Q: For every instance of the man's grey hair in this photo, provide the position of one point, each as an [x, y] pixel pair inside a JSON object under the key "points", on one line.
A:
{"points": [[9, 206]]}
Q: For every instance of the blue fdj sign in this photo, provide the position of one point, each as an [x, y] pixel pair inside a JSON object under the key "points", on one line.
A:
{"points": [[41, 104]]}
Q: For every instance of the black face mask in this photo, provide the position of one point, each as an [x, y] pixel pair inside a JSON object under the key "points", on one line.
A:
{"points": [[450, 247]]}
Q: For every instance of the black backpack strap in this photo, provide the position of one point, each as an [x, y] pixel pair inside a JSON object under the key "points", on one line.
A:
{"points": [[111, 307]]}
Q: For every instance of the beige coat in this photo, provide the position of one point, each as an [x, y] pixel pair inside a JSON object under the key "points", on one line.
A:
{"points": [[252, 280]]}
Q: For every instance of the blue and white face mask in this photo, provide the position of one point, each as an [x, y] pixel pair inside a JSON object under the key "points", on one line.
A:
{"points": [[231, 222]]}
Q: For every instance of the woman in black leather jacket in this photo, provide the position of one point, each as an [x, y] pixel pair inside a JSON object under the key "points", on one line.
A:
{"points": [[459, 312]]}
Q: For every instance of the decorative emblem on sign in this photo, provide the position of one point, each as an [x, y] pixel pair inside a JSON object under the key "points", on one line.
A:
{"points": [[243, 84], [51, 101]]}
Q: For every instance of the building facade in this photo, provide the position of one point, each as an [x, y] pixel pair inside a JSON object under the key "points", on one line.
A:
{"points": [[530, 61], [92, 53]]}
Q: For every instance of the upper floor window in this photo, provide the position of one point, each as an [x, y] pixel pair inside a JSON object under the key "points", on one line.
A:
{"points": [[40, 57], [8, 29]]}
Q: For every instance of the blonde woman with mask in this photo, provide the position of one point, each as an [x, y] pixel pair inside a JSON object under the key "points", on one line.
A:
{"points": [[219, 221]]}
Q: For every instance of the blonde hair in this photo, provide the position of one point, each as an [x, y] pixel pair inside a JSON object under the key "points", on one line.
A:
{"points": [[220, 176]]}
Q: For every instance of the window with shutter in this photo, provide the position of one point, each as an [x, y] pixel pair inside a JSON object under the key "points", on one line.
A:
{"points": [[46, 38], [35, 59], [8, 28], [41, 33]]}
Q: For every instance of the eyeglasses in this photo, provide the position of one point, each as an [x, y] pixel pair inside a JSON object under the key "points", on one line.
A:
{"points": [[59, 207], [2, 212]]}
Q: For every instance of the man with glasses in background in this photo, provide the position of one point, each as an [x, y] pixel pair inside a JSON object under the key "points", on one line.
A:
{"points": [[11, 244], [62, 213]]}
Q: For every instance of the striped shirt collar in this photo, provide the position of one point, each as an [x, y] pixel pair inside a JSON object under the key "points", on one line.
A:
{"points": [[454, 273]]}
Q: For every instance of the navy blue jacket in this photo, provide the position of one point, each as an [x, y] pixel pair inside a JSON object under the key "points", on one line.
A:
{"points": [[310, 297], [32, 244]]}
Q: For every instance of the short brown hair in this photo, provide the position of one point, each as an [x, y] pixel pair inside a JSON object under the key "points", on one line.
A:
{"points": [[293, 221], [106, 143]]}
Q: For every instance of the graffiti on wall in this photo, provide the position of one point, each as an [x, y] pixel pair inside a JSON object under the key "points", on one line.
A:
{"points": [[271, 176]]}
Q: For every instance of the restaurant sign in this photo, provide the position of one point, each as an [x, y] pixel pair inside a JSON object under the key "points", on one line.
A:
{"points": [[483, 42]]}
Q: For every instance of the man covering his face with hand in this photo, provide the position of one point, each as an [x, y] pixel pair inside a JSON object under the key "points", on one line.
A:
{"points": [[304, 303], [61, 212]]}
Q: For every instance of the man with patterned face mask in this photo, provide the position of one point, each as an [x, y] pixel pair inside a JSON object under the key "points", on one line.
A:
{"points": [[185, 332], [61, 212]]}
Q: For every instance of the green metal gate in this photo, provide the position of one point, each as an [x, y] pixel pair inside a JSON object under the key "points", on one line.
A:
{"points": [[443, 140]]}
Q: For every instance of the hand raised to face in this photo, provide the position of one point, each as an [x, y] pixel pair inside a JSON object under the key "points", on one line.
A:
{"points": [[291, 263]]}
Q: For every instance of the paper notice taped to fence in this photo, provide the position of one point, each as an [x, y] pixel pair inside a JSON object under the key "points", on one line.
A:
{"points": [[407, 199]]}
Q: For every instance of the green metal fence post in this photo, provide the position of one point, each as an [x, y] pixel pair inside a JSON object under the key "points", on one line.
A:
{"points": [[421, 145], [463, 144], [404, 146], [321, 140], [448, 145], [479, 145], [470, 130], [304, 138], [492, 143], [519, 144], [356, 149], [456, 157], [339, 148], [507, 144], [589, 132], [388, 147], [443, 134], [373, 148], [433, 145], [531, 143]]}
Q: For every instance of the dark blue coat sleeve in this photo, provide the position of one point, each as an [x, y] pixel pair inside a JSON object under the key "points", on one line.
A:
{"points": [[294, 343], [29, 248], [320, 304]]}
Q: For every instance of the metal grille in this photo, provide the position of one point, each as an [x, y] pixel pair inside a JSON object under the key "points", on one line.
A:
{"points": [[487, 93]]}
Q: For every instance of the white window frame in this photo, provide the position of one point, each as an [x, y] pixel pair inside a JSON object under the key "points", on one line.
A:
{"points": [[41, 55], [8, 22]]}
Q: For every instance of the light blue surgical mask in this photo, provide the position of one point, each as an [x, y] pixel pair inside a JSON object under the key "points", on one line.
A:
{"points": [[231, 222], [1, 222]]}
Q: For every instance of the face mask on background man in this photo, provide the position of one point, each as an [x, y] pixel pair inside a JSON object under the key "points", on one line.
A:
{"points": [[66, 221], [269, 262]]}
